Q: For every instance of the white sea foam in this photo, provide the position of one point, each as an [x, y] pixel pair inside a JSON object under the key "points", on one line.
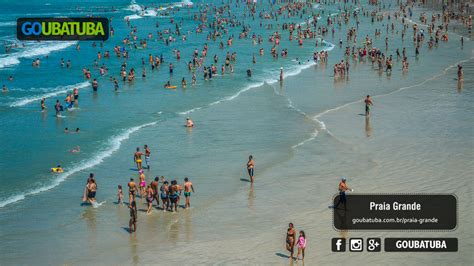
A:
{"points": [[53, 92], [142, 12], [114, 144], [34, 50]]}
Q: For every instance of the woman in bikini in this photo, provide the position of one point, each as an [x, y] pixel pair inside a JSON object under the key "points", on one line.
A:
{"points": [[149, 198]]}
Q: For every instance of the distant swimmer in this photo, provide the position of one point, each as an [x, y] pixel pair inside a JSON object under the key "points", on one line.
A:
{"points": [[250, 167], [4, 89], [76, 149], [368, 103], [342, 193], [281, 74], [57, 169], [95, 85], [189, 123], [188, 188], [137, 158]]}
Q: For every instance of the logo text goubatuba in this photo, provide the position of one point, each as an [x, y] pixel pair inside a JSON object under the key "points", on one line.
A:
{"points": [[66, 29]]}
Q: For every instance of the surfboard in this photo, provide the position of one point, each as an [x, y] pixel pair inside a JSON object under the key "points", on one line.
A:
{"points": [[171, 87]]}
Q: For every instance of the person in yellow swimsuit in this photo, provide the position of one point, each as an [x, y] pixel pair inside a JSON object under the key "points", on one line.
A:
{"points": [[137, 157]]}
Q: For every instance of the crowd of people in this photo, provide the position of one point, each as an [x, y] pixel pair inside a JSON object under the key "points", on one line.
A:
{"points": [[217, 21]]}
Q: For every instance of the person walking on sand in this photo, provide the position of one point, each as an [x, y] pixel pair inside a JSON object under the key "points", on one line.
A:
{"points": [[250, 167], [342, 193], [301, 245], [290, 239], [188, 188], [368, 103], [137, 157]]}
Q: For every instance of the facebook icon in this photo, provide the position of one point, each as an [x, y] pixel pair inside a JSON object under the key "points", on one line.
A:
{"points": [[338, 245]]}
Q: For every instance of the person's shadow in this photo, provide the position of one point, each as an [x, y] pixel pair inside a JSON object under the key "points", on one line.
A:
{"points": [[245, 180]]}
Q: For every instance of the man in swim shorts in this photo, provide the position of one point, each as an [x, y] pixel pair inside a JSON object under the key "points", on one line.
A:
{"points": [[250, 167], [137, 157], [188, 188]]}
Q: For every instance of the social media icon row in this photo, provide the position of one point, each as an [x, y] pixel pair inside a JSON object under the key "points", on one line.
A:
{"points": [[356, 244]]}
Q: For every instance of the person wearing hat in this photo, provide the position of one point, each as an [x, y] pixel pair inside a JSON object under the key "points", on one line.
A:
{"points": [[342, 193]]}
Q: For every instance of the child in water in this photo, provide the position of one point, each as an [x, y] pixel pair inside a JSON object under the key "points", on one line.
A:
{"points": [[301, 245]]}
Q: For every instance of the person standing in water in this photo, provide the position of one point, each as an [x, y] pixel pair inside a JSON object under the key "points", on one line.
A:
{"points": [[250, 167], [188, 188], [147, 156], [342, 193], [137, 157], [43, 104], [154, 185], [132, 191], [281, 74], [368, 103], [460, 73], [58, 108], [91, 191], [290, 239]]}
